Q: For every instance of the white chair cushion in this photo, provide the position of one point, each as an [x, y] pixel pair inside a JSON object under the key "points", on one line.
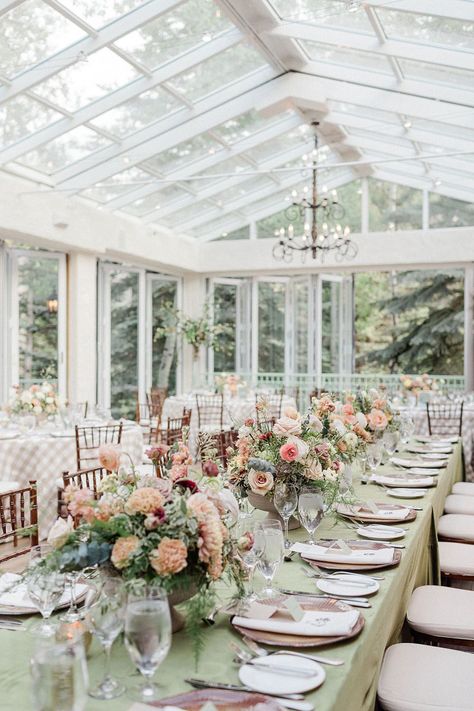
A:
{"points": [[457, 526], [416, 677], [456, 558], [465, 488], [442, 612], [458, 504]]}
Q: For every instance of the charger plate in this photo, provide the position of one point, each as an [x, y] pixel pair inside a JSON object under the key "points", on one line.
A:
{"points": [[223, 701], [290, 640], [17, 610], [356, 545], [347, 511]]}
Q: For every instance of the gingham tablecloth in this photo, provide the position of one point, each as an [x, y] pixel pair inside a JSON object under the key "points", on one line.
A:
{"points": [[421, 427], [44, 457]]}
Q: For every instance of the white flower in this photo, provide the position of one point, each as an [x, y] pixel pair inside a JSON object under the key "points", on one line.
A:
{"points": [[26, 396], [330, 475], [60, 531], [244, 431], [315, 423], [361, 419], [230, 503], [123, 491], [338, 427], [50, 400], [40, 395], [37, 410], [286, 426], [374, 394], [351, 440]]}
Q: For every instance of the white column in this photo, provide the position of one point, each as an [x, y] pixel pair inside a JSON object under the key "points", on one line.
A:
{"points": [[469, 327], [194, 297], [82, 328]]}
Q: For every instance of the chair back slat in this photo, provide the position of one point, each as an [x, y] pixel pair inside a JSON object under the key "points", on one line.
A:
{"points": [[273, 404], [89, 439], [83, 479], [18, 522], [445, 418], [210, 409], [175, 426], [222, 441]]}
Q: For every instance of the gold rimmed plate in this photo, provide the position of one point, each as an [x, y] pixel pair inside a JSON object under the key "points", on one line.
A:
{"points": [[222, 699], [289, 640], [356, 545], [348, 511]]}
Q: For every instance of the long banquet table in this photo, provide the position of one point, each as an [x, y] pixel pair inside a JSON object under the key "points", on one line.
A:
{"points": [[352, 686]]}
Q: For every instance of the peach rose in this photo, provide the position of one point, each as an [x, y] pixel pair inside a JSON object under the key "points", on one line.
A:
{"points": [[292, 413], [379, 404], [170, 557], [109, 457], [260, 482], [144, 501], [124, 548], [289, 452], [286, 426], [377, 420]]}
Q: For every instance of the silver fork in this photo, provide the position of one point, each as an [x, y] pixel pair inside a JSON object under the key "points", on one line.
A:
{"points": [[334, 576], [261, 652]]}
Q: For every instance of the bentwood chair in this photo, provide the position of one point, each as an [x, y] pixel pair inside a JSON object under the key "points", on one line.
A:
{"points": [[445, 418], [273, 402], [222, 441], [174, 428], [210, 412], [83, 479], [442, 616], [456, 563], [18, 522], [417, 677], [456, 528], [148, 416], [89, 439], [156, 400]]}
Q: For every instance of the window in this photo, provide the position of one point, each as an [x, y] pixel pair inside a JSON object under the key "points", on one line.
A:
{"points": [[226, 313], [301, 299], [164, 352], [394, 207], [331, 302], [448, 212], [271, 326], [123, 342]]}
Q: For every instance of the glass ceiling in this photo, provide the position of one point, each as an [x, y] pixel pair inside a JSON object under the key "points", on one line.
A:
{"points": [[172, 112]]}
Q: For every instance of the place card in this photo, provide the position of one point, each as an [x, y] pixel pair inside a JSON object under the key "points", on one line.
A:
{"points": [[294, 608], [257, 611], [372, 506], [341, 545]]}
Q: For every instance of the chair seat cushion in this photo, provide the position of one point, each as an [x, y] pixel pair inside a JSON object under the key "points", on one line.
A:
{"points": [[466, 488], [442, 612], [457, 526], [416, 677], [459, 504], [456, 558]]}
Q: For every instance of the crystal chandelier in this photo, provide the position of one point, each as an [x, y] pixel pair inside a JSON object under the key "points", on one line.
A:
{"points": [[321, 216]]}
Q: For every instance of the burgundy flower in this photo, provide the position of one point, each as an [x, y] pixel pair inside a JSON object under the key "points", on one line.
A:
{"points": [[210, 468], [187, 484]]}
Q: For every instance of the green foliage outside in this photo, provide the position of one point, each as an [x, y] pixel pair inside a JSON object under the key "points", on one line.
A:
{"points": [[124, 343]]}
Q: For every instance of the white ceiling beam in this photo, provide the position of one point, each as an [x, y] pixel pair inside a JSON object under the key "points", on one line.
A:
{"points": [[68, 56], [217, 108], [7, 5], [422, 183], [455, 9], [125, 93], [370, 43]]}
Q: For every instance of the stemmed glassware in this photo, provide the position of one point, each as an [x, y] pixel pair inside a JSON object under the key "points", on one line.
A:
{"points": [[45, 588], [407, 427], [311, 509], [285, 500], [270, 537], [250, 548], [105, 619], [374, 456], [147, 634], [390, 441], [59, 676]]}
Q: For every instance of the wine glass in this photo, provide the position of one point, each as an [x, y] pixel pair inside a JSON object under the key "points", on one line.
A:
{"points": [[374, 456], [285, 499], [105, 619], [311, 509], [147, 634], [45, 589], [250, 548], [270, 537], [59, 676], [390, 441]]}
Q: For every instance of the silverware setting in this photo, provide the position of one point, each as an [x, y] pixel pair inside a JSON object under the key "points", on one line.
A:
{"points": [[14, 625], [355, 601], [336, 575], [262, 652], [207, 684]]}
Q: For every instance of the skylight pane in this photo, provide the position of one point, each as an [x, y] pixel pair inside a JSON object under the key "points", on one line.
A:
{"points": [[249, 187], [32, 32], [245, 125], [444, 128], [184, 152], [333, 13], [320, 52], [437, 73], [189, 213], [383, 137], [157, 200], [137, 113], [175, 32], [86, 81], [65, 149], [217, 72], [428, 29], [281, 144], [21, 116], [367, 112], [101, 13], [224, 170], [118, 184]]}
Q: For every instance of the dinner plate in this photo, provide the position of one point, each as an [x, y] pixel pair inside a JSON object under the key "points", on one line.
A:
{"points": [[397, 482], [423, 471], [290, 640], [223, 701], [441, 450], [381, 532], [434, 455], [356, 545], [430, 439], [272, 682], [340, 586], [347, 511], [17, 610], [407, 493], [418, 463]]}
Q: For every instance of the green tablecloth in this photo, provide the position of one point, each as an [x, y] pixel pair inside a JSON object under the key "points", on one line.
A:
{"points": [[352, 686]]}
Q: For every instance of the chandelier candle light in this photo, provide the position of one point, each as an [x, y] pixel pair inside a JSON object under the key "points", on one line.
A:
{"points": [[316, 238]]}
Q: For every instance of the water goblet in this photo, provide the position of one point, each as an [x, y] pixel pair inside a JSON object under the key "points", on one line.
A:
{"points": [[147, 634], [105, 619], [390, 441], [374, 456], [285, 500], [311, 509], [45, 589], [270, 537], [250, 549], [59, 676]]}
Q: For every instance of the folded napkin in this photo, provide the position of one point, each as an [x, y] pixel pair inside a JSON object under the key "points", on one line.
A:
{"points": [[315, 623], [14, 593], [399, 481], [424, 471], [409, 463], [335, 555], [368, 514]]}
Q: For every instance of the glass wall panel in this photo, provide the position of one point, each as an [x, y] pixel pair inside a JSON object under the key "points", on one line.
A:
{"points": [[448, 212], [271, 327], [225, 313], [394, 207], [38, 294], [164, 349], [123, 342], [300, 321], [330, 326]]}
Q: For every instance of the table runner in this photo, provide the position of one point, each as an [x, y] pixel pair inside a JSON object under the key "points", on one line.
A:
{"points": [[352, 686]]}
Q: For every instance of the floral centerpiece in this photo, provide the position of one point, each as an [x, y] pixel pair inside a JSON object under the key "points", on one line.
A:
{"points": [[172, 532], [229, 383], [39, 400], [415, 386], [371, 414]]}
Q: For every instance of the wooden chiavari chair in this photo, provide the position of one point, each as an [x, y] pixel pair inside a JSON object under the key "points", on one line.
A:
{"points": [[210, 410], [149, 418], [83, 479], [222, 441], [174, 428], [18, 522], [273, 401], [89, 439], [445, 418]]}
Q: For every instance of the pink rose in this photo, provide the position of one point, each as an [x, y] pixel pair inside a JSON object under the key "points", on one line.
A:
{"points": [[178, 471], [289, 452], [260, 482], [377, 420], [286, 426], [109, 457], [210, 468]]}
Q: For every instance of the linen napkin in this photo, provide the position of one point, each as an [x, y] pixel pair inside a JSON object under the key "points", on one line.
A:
{"points": [[315, 623], [333, 555], [400, 481], [17, 596], [381, 513]]}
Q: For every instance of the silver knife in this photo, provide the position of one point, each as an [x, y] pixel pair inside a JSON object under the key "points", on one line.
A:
{"points": [[204, 684], [355, 602], [280, 669]]}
